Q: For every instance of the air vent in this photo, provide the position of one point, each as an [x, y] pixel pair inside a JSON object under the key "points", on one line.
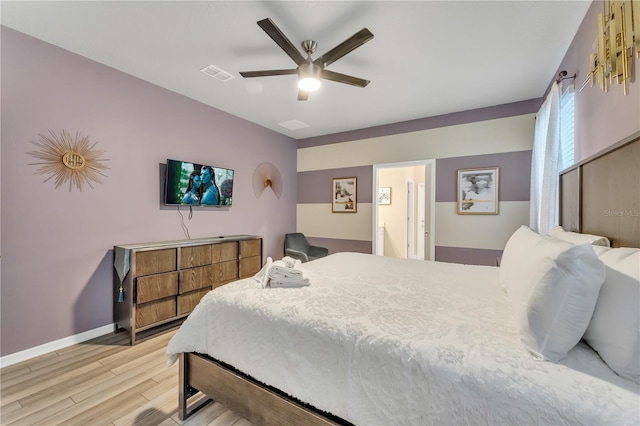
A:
{"points": [[293, 125], [217, 73]]}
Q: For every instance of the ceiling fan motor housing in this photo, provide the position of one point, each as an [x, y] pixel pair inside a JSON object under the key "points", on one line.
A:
{"points": [[309, 46]]}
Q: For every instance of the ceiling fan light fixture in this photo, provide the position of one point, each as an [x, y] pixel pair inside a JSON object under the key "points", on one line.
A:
{"points": [[309, 84], [309, 77]]}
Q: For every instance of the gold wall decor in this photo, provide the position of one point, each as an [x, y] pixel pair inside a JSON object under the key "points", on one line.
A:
{"points": [[69, 159], [618, 37]]}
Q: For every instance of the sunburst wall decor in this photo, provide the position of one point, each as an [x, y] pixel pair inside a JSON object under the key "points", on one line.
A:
{"points": [[69, 159]]}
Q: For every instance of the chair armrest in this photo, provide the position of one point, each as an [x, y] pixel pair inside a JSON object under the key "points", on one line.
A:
{"points": [[316, 251], [297, 254]]}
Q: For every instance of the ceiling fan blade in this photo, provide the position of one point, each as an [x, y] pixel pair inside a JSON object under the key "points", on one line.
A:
{"points": [[266, 73], [350, 44], [343, 78], [303, 95], [281, 40]]}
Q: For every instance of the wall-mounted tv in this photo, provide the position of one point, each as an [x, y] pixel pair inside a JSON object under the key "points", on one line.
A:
{"points": [[194, 184]]}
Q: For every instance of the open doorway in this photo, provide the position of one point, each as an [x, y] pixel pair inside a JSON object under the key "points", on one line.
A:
{"points": [[403, 209]]}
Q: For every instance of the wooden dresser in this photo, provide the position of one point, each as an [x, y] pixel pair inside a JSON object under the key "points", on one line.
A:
{"points": [[156, 285]]}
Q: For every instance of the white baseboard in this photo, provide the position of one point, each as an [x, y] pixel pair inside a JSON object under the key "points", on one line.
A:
{"points": [[17, 357]]}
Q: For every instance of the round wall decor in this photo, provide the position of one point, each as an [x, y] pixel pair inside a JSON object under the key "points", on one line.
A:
{"points": [[67, 158]]}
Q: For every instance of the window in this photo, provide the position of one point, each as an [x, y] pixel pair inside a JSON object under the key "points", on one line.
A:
{"points": [[567, 157]]}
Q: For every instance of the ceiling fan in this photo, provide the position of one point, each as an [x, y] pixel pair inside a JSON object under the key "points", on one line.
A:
{"points": [[311, 71]]}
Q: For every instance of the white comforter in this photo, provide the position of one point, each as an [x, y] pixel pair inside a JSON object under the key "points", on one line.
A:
{"points": [[380, 341]]}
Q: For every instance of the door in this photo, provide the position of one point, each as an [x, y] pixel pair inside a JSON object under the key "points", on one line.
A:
{"points": [[391, 219]]}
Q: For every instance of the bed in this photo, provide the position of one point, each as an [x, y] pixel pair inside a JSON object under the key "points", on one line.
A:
{"points": [[377, 340]]}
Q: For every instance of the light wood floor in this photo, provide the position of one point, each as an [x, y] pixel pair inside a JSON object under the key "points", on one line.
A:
{"points": [[103, 381]]}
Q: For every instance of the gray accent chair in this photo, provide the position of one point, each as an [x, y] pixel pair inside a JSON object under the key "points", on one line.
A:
{"points": [[297, 246]]}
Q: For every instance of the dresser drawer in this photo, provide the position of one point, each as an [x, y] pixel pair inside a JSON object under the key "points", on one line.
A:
{"points": [[249, 248], [153, 287], [158, 310], [195, 278], [224, 251], [224, 272], [195, 256], [188, 301], [250, 266], [155, 261]]}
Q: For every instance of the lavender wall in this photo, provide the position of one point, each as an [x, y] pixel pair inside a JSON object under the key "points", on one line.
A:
{"points": [[602, 119], [57, 245]]}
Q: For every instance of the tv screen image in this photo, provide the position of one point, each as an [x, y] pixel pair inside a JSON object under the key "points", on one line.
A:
{"points": [[194, 184]]}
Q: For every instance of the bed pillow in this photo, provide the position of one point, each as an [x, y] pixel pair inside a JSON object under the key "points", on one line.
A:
{"points": [[614, 330], [576, 238], [553, 287]]}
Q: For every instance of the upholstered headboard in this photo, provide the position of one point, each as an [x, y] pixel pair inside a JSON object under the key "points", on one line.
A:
{"points": [[601, 195]]}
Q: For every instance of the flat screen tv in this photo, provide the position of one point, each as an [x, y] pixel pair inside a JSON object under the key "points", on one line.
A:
{"points": [[193, 184]]}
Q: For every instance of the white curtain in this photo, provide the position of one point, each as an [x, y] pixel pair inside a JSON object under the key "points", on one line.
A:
{"points": [[545, 165]]}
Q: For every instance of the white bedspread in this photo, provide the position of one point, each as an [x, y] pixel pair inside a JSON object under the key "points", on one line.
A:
{"points": [[380, 341]]}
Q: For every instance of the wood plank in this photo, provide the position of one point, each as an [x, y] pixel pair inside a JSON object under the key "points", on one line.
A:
{"points": [[250, 266], [76, 385], [23, 389], [249, 248], [133, 364], [156, 311], [204, 416], [119, 358], [154, 287], [224, 272], [10, 408], [42, 415], [54, 395], [195, 278], [33, 361], [75, 358], [195, 256], [107, 409], [155, 261], [187, 302], [18, 372], [225, 251], [169, 384], [121, 380], [227, 418], [154, 411]]}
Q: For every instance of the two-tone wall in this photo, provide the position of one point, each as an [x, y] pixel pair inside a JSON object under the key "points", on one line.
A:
{"points": [[499, 136], [57, 258]]}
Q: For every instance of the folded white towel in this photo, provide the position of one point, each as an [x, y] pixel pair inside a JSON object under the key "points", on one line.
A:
{"points": [[289, 283], [277, 271], [283, 273]]}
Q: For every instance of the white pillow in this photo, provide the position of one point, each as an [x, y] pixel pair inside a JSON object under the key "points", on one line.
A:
{"points": [[553, 287], [577, 238], [614, 330]]}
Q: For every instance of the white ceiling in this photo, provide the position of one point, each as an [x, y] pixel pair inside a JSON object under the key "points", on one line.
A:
{"points": [[427, 58]]}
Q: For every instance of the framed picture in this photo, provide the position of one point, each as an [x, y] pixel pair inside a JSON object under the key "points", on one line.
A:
{"points": [[384, 196], [344, 195], [478, 191]]}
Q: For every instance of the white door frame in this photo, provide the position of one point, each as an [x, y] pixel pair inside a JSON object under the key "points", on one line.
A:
{"points": [[421, 220], [431, 202], [410, 221]]}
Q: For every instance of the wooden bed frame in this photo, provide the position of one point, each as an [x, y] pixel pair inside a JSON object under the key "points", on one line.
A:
{"points": [[262, 405], [600, 195]]}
